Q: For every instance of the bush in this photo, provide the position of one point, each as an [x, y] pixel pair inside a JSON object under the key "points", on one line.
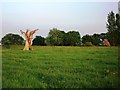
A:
{"points": [[12, 39], [88, 44]]}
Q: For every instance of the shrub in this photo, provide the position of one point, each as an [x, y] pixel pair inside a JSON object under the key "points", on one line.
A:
{"points": [[88, 44]]}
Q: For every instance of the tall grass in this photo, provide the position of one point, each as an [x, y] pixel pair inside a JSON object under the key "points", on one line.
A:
{"points": [[60, 67]]}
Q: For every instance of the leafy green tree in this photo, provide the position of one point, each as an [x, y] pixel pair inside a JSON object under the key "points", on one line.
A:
{"points": [[103, 36], [63, 38], [118, 29], [66, 39], [55, 37], [60, 38], [73, 38], [96, 39], [87, 38], [113, 26], [11, 39], [38, 40]]}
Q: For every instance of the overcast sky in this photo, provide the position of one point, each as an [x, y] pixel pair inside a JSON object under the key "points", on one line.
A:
{"points": [[85, 17]]}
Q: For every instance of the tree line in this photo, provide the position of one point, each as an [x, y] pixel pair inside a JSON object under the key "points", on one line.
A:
{"points": [[57, 37]]}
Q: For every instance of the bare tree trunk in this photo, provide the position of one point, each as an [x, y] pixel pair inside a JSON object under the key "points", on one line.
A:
{"points": [[27, 46], [28, 38]]}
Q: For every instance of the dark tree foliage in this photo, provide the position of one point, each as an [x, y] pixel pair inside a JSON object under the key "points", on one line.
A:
{"points": [[60, 38], [113, 26], [38, 40], [55, 37], [103, 36], [73, 38], [64, 37], [118, 29], [87, 38], [11, 39], [96, 39]]}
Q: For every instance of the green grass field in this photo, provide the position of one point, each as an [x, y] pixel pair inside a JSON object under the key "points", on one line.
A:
{"points": [[60, 67]]}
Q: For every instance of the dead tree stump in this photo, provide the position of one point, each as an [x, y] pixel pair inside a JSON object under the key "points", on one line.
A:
{"points": [[28, 37]]}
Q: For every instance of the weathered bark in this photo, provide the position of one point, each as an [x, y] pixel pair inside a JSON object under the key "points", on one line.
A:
{"points": [[28, 38], [27, 45]]}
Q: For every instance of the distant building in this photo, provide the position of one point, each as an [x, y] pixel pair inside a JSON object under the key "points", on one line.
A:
{"points": [[106, 42]]}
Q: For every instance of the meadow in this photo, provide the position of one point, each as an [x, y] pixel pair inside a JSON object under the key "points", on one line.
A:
{"points": [[60, 67]]}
